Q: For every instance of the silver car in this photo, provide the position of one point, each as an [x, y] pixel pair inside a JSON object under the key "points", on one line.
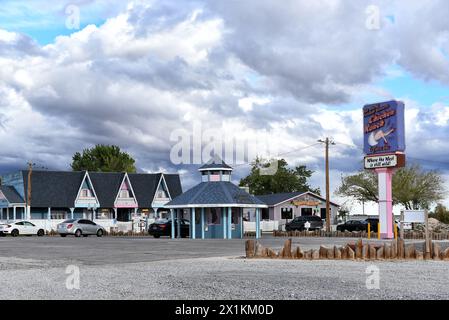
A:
{"points": [[80, 227]]}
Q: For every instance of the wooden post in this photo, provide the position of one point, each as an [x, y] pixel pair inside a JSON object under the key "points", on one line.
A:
{"points": [[30, 170], [369, 230], [250, 248]]}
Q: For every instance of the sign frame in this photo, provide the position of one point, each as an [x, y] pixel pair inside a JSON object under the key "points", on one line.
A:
{"points": [[384, 128], [396, 160]]}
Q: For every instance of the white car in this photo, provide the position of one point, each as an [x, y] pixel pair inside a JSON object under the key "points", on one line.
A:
{"points": [[21, 228]]}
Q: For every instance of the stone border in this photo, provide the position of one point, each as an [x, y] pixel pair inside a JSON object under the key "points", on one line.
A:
{"points": [[394, 250]]}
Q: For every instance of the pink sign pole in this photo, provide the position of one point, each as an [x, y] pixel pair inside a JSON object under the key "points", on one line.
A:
{"points": [[385, 176]]}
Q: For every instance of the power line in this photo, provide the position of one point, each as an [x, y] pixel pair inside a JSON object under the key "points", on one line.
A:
{"points": [[411, 158]]}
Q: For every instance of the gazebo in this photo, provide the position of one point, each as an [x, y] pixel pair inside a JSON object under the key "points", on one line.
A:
{"points": [[215, 206]]}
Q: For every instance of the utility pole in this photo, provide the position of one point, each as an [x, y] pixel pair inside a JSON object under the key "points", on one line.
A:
{"points": [[327, 142], [30, 170]]}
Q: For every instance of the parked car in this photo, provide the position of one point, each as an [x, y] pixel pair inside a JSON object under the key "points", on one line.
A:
{"points": [[374, 223], [298, 223], [353, 225], [80, 227], [21, 228], [162, 227]]}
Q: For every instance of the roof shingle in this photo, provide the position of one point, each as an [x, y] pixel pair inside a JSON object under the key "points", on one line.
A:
{"points": [[215, 193], [11, 194]]}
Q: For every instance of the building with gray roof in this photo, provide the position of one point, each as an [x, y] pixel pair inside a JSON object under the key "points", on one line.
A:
{"points": [[105, 197], [215, 205]]}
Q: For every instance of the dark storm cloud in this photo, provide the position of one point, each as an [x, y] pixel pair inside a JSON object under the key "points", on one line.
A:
{"points": [[161, 65]]}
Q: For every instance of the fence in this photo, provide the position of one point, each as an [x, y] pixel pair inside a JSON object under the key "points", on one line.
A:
{"points": [[265, 226], [413, 235]]}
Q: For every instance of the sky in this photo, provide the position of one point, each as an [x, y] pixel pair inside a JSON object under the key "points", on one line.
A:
{"points": [[137, 73]]}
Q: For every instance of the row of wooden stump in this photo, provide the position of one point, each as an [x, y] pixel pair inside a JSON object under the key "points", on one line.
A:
{"points": [[393, 250]]}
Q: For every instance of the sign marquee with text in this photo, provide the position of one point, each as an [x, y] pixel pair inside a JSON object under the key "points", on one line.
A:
{"points": [[383, 127], [385, 161]]}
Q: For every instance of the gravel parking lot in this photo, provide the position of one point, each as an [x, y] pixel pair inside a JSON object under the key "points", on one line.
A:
{"points": [[145, 268]]}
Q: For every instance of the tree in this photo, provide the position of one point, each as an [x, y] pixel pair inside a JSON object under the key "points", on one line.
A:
{"points": [[413, 187], [267, 178], [441, 213], [343, 213], [104, 158]]}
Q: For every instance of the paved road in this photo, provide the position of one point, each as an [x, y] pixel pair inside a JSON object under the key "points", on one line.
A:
{"points": [[116, 250], [147, 268]]}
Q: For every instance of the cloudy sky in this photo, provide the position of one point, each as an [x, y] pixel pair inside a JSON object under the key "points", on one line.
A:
{"points": [[287, 73]]}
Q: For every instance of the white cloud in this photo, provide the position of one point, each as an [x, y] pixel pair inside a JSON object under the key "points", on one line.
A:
{"points": [[251, 69]]}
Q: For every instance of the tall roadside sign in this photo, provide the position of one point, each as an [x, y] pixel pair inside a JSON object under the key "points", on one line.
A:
{"points": [[384, 148]]}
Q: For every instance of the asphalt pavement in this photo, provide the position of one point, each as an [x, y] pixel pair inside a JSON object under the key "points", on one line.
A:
{"points": [[147, 268]]}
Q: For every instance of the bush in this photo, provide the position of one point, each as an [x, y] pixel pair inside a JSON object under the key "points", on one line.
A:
{"points": [[441, 214]]}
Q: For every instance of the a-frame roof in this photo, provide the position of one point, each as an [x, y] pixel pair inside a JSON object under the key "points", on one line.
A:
{"points": [[11, 194], [126, 179], [60, 188], [278, 198]]}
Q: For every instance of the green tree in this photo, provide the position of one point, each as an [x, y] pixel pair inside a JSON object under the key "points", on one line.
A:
{"points": [[413, 187], [441, 213], [276, 177], [104, 158]]}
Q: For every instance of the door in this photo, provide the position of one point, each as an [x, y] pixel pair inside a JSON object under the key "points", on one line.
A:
{"points": [[29, 228], [123, 214], [297, 223], [185, 228], [86, 226], [92, 227], [20, 226]]}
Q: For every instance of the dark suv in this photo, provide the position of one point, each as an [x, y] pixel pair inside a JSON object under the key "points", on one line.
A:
{"points": [[162, 227], [298, 223], [373, 223]]}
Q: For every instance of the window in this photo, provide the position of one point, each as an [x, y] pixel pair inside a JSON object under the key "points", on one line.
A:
{"points": [[286, 213], [124, 194], [161, 194], [85, 193], [104, 214], [214, 216], [323, 213], [58, 214], [306, 211], [19, 224], [235, 217], [265, 214], [214, 177]]}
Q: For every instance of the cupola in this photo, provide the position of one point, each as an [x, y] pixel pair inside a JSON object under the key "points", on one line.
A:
{"points": [[215, 170]]}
